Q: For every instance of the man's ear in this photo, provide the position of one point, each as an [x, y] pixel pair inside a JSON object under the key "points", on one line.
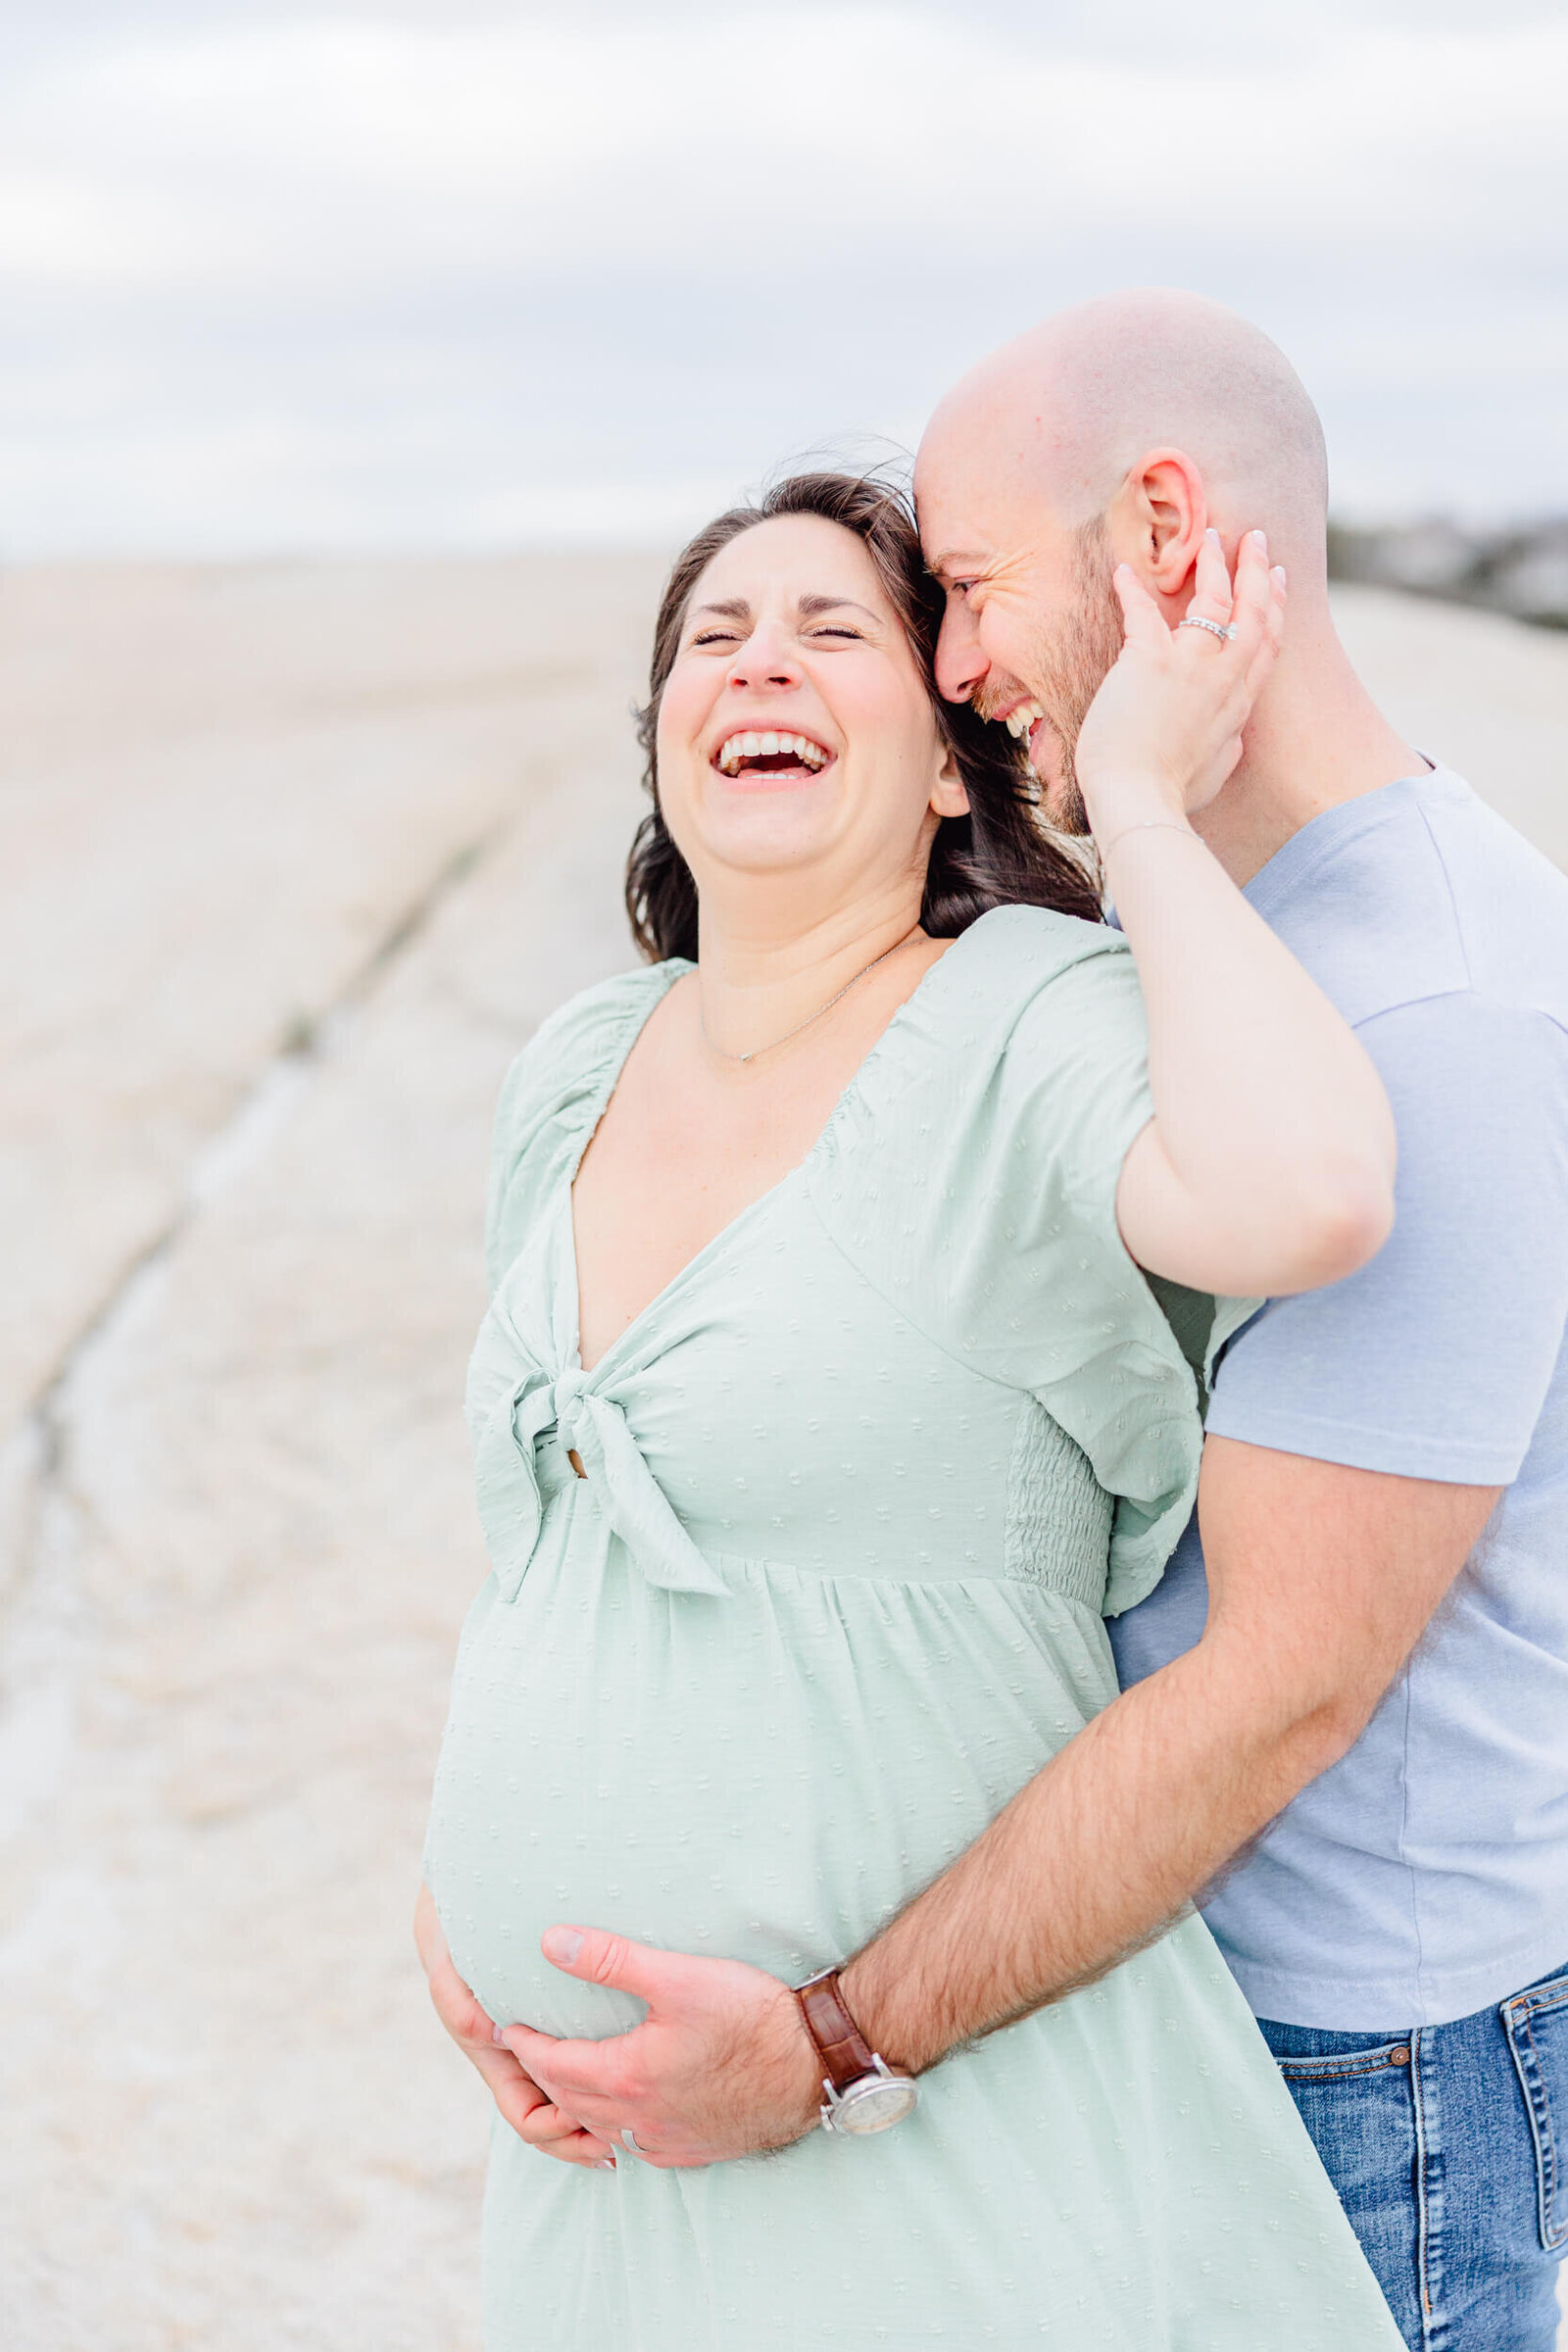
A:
{"points": [[1159, 518], [948, 795]]}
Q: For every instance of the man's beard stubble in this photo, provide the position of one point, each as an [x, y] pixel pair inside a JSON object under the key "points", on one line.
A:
{"points": [[1069, 665]]}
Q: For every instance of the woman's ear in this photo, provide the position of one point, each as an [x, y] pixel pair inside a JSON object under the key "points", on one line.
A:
{"points": [[950, 796]]}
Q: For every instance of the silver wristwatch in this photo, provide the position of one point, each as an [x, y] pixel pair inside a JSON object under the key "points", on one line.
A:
{"points": [[860, 2092]]}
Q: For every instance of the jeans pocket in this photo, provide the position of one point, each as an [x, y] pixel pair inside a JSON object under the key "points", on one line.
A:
{"points": [[1536, 2022], [1342, 2065], [1358, 2102]]}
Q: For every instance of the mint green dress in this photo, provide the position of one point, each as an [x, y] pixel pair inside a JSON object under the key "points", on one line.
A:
{"points": [[860, 1484]]}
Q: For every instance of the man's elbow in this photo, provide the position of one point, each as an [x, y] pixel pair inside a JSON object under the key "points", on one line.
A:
{"points": [[1332, 1730], [1309, 1730], [1295, 1729]]}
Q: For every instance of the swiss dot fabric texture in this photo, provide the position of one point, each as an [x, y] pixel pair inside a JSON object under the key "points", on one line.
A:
{"points": [[861, 1483]]}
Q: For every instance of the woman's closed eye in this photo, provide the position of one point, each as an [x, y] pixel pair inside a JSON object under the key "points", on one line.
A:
{"points": [[734, 637]]}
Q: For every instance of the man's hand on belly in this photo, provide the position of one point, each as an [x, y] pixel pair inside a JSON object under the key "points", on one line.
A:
{"points": [[530, 2111], [721, 2067]]}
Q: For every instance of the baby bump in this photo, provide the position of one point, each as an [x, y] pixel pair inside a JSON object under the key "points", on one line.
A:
{"points": [[765, 1777]]}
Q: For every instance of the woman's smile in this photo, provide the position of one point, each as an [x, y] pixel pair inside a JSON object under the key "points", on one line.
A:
{"points": [[763, 756]]}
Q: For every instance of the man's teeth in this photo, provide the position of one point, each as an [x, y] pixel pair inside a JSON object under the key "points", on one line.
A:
{"points": [[764, 746], [1020, 721]]}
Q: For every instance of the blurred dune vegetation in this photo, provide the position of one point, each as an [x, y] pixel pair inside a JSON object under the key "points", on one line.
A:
{"points": [[1521, 569]]}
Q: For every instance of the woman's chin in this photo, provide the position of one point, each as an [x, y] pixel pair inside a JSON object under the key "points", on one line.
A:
{"points": [[766, 839]]}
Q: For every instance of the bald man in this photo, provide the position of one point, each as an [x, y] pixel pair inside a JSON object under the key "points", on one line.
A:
{"points": [[1365, 1696]]}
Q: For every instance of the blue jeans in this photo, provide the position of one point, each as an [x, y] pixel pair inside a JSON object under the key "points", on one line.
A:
{"points": [[1448, 2147]]}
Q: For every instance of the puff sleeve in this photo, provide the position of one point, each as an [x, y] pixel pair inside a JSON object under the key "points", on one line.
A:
{"points": [[971, 1176]]}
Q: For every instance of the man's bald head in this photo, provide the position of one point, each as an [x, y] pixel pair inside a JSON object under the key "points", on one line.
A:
{"points": [[1060, 416], [1116, 433]]}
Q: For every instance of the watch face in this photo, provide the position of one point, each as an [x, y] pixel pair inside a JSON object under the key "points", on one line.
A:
{"points": [[875, 2102]]}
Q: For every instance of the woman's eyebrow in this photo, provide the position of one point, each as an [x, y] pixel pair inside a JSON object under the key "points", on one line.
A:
{"points": [[809, 606], [736, 608]]}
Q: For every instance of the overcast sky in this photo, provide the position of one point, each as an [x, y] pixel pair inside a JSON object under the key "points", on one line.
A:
{"points": [[446, 272]]}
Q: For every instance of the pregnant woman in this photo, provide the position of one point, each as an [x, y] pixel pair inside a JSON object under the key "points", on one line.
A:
{"points": [[823, 1408]]}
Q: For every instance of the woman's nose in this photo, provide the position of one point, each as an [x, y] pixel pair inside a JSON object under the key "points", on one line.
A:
{"points": [[960, 663], [766, 659]]}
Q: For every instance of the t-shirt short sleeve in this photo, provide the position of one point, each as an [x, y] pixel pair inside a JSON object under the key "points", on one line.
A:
{"points": [[972, 1177], [1434, 1361]]}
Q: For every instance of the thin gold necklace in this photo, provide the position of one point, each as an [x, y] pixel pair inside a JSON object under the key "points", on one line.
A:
{"points": [[776, 1042]]}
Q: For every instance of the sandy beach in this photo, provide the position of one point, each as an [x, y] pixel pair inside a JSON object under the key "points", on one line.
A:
{"points": [[292, 859]]}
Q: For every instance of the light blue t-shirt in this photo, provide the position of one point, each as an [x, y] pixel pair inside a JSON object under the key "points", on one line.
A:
{"points": [[1426, 1875]]}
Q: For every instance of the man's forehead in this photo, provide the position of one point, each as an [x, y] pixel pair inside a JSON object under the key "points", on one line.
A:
{"points": [[968, 507], [971, 521], [982, 471], [963, 521], [954, 521], [947, 562]]}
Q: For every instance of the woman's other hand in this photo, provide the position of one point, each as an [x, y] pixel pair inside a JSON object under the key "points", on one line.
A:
{"points": [[1165, 731], [531, 2113]]}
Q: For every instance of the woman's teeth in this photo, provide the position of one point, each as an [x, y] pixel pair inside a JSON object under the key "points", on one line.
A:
{"points": [[1026, 715], [769, 745]]}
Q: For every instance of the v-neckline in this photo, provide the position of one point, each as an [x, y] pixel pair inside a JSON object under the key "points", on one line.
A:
{"points": [[677, 968]]}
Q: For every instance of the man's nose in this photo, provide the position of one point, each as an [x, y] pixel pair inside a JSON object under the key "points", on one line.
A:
{"points": [[961, 663], [766, 659]]}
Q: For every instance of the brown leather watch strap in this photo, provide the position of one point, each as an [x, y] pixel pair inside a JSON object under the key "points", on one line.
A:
{"points": [[842, 2048]]}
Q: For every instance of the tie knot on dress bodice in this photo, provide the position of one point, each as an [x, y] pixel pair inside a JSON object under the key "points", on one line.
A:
{"points": [[566, 1409], [543, 1417]]}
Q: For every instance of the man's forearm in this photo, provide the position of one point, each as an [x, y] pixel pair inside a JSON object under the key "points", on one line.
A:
{"points": [[1098, 1853], [1321, 1577]]}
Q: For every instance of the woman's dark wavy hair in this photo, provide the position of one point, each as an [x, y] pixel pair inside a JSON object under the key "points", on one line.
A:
{"points": [[999, 854]]}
